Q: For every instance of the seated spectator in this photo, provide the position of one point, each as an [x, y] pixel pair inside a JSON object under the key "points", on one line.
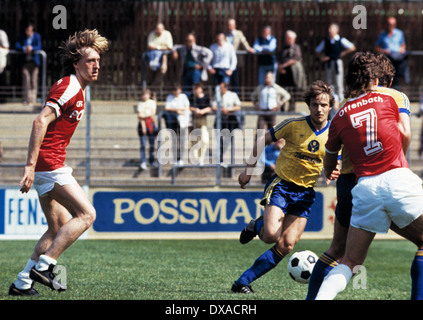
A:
{"points": [[268, 159], [193, 62], [146, 110], [158, 41], [269, 97], [290, 68], [224, 60], [200, 108], [265, 46], [230, 105], [178, 117]]}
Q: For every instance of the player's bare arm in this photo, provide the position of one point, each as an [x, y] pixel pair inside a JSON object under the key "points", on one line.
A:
{"points": [[245, 176], [39, 128], [404, 127], [330, 162]]}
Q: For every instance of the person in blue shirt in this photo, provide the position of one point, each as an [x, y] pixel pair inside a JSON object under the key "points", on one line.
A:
{"points": [[391, 43], [268, 159], [28, 43], [265, 46]]}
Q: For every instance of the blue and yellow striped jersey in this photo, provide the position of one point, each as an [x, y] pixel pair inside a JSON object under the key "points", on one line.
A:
{"points": [[403, 107], [301, 159]]}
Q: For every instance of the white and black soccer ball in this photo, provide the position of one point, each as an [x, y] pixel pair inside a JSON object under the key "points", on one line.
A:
{"points": [[301, 264]]}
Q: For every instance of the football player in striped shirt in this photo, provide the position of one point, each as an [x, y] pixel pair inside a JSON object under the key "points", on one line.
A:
{"points": [[59, 194], [289, 194]]}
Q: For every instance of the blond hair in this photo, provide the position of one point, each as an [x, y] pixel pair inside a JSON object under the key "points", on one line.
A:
{"points": [[71, 49]]}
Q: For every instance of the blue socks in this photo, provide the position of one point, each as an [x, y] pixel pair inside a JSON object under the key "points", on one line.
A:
{"points": [[322, 267], [416, 273], [266, 262]]}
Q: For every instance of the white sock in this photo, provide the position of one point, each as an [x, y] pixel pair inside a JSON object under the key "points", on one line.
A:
{"points": [[335, 282], [23, 281], [44, 262]]}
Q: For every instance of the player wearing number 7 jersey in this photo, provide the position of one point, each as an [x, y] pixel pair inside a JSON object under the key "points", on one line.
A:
{"points": [[387, 191]]}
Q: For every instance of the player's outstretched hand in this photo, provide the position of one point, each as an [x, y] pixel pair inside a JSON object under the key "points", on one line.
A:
{"points": [[243, 179], [27, 179]]}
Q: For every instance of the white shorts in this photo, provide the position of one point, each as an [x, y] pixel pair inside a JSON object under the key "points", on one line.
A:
{"points": [[44, 180], [393, 196]]}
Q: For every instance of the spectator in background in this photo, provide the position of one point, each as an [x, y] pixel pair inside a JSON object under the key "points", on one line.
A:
{"points": [[158, 41], [269, 97], [200, 108], [146, 110], [178, 118], [290, 68], [230, 105], [237, 39], [193, 62], [4, 50], [28, 42], [224, 60], [331, 50], [268, 159], [391, 42], [265, 46]]}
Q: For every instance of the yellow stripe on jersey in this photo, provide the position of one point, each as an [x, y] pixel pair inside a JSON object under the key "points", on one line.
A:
{"points": [[269, 190], [301, 159], [404, 106], [419, 253]]}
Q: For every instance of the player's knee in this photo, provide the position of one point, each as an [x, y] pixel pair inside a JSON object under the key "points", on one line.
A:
{"points": [[89, 217], [285, 246], [269, 237]]}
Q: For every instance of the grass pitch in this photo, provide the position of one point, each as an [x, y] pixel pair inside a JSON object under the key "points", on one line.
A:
{"points": [[196, 270]]}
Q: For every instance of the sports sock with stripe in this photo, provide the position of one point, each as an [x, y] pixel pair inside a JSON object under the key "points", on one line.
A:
{"points": [[266, 262], [416, 273], [322, 267]]}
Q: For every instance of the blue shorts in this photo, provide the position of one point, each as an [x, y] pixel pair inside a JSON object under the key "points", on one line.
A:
{"points": [[289, 197], [344, 185]]}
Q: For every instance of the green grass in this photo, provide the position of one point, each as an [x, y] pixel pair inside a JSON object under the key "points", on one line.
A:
{"points": [[196, 270]]}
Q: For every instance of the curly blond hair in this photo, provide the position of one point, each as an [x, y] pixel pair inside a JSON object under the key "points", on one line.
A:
{"points": [[71, 49]]}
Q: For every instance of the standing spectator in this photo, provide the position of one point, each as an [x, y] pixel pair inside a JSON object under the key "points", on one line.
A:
{"points": [[200, 108], [193, 62], [391, 42], [265, 45], [177, 106], [29, 42], [4, 50], [331, 50], [290, 68], [237, 39], [269, 97], [230, 105], [224, 60], [158, 41], [146, 110]]}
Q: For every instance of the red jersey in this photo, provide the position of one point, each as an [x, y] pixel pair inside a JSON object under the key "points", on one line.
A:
{"points": [[367, 126], [66, 97]]}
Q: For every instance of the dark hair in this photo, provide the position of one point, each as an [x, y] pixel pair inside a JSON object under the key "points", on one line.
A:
{"points": [[387, 70], [363, 70], [316, 88]]}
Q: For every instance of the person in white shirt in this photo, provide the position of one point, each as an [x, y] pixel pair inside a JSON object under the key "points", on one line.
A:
{"points": [[224, 60], [177, 104], [230, 105], [331, 50], [269, 97], [146, 110]]}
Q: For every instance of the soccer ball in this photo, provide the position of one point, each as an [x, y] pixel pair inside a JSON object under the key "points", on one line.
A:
{"points": [[301, 264]]}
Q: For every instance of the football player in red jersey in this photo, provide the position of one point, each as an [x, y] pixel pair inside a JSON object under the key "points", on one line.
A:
{"points": [[387, 191], [59, 194]]}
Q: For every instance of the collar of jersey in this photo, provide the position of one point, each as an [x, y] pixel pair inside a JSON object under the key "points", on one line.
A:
{"points": [[316, 132]]}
